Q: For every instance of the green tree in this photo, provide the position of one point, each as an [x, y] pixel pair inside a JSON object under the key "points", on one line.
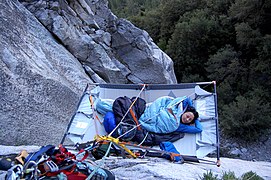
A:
{"points": [[250, 11], [227, 69], [196, 36], [260, 67], [171, 14], [150, 21], [246, 37], [247, 117]]}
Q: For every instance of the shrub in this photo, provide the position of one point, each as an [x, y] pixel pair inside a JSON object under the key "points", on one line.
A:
{"points": [[248, 117], [209, 176], [251, 176], [230, 176]]}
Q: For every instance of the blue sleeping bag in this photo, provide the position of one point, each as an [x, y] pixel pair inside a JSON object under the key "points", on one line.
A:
{"points": [[158, 119]]}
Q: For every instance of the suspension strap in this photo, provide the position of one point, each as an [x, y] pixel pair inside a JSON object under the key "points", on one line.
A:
{"points": [[79, 154], [95, 117], [162, 152], [135, 119], [101, 162]]}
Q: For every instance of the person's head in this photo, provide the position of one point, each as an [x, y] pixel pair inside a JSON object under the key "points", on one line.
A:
{"points": [[189, 116]]}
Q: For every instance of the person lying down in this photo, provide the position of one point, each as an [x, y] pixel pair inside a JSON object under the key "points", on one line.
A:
{"points": [[165, 115]]}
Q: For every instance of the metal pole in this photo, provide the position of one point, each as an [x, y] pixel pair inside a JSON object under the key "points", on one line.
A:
{"points": [[217, 129]]}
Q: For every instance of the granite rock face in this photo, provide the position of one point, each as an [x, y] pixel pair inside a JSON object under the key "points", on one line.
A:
{"points": [[49, 52], [113, 48], [40, 80]]}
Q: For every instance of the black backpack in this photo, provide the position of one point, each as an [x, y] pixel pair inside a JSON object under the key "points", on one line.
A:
{"points": [[127, 128]]}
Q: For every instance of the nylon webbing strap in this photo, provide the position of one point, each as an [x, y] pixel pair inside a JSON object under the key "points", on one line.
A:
{"points": [[94, 115], [135, 119]]}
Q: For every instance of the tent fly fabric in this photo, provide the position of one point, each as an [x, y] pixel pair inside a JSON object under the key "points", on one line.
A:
{"points": [[86, 122]]}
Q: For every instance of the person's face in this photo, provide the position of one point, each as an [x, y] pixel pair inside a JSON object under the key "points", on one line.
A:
{"points": [[187, 117]]}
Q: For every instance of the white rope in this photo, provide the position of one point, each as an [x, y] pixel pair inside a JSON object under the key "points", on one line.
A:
{"points": [[102, 162], [143, 139]]}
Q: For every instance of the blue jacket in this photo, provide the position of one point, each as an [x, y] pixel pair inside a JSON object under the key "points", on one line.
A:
{"points": [[190, 128]]}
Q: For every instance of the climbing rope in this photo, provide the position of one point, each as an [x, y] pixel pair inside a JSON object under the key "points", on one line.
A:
{"points": [[101, 163]]}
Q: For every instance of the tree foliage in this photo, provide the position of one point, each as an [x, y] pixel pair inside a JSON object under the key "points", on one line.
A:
{"points": [[224, 40], [247, 117], [187, 45]]}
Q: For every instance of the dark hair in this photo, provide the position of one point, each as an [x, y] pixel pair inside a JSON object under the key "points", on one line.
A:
{"points": [[193, 110]]}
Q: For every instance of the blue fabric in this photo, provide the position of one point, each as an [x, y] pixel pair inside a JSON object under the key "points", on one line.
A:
{"points": [[169, 147], [156, 118], [103, 106], [190, 128], [187, 102], [48, 149], [109, 122]]}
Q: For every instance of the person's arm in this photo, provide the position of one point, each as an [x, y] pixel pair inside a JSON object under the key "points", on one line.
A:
{"points": [[187, 102], [190, 129]]}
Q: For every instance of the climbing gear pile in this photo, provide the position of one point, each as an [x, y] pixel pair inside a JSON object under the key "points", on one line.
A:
{"points": [[55, 163]]}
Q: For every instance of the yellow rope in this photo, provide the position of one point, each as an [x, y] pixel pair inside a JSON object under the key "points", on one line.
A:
{"points": [[115, 141]]}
